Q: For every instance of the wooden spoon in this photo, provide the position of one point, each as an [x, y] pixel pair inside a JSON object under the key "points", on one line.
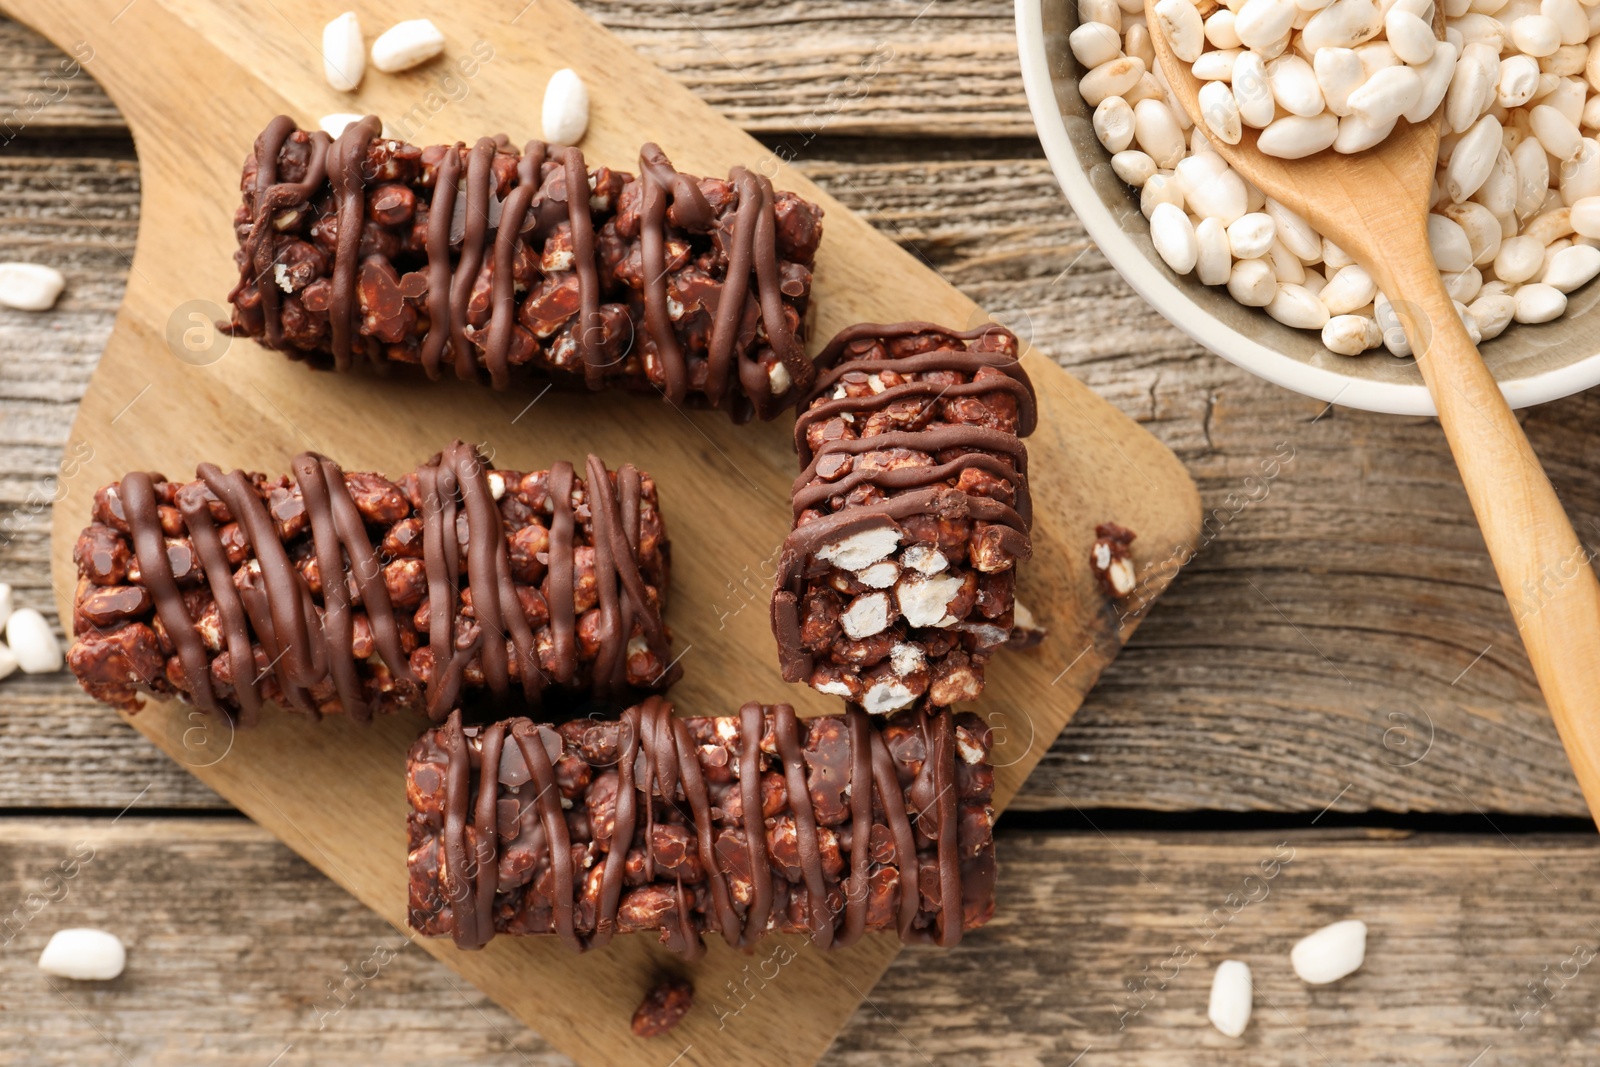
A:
{"points": [[1374, 205]]}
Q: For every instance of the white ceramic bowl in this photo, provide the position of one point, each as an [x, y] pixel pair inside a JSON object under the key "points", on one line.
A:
{"points": [[1533, 364]]}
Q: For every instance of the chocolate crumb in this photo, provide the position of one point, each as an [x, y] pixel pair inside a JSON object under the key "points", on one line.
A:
{"points": [[663, 1007], [1111, 560]]}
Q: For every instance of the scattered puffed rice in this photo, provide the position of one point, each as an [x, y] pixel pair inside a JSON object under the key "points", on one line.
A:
{"points": [[32, 642], [344, 53], [1231, 993], [406, 44], [566, 108], [333, 125], [84, 955], [30, 286], [1331, 953]]}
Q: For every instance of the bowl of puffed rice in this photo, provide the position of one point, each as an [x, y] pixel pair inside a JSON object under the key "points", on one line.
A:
{"points": [[1515, 221]]}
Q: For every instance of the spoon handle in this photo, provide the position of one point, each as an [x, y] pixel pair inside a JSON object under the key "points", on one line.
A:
{"points": [[1543, 567]]}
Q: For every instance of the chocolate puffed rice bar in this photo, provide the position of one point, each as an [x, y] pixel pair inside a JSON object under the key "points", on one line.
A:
{"points": [[742, 825], [525, 265], [460, 581], [897, 583]]}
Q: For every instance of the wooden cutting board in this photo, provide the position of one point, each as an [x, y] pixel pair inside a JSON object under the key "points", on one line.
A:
{"points": [[197, 80]]}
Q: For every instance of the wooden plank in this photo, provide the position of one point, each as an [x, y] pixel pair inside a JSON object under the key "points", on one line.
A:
{"points": [[899, 68], [44, 92], [1459, 928], [1364, 541], [343, 806], [1460, 925]]}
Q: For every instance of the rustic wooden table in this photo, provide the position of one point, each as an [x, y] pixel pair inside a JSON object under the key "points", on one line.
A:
{"points": [[1334, 680]]}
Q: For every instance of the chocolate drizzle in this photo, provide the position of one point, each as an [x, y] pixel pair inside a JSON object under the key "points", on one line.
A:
{"points": [[344, 160], [273, 197], [912, 490], [966, 360], [478, 629], [466, 292], [517, 829]]}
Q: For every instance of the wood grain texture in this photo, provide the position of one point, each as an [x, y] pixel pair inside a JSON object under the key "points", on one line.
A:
{"points": [[342, 807], [234, 943], [801, 69], [1365, 542]]}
